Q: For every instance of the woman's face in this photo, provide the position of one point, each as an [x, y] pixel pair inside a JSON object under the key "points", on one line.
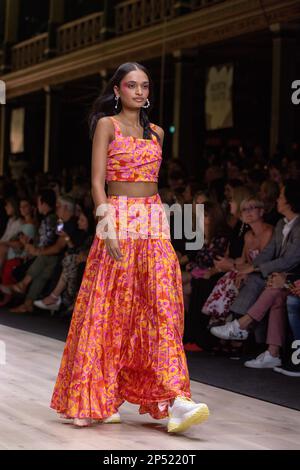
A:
{"points": [[133, 90], [201, 199], [9, 209], [25, 208], [187, 194], [250, 213], [234, 209], [228, 192], [83, 223]]}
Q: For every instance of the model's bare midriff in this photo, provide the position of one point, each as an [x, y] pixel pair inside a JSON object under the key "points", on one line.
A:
{"points": [[132, 189]]}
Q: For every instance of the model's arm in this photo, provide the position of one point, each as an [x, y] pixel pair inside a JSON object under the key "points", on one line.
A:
{"points": [[102, 136], [99, 158]]}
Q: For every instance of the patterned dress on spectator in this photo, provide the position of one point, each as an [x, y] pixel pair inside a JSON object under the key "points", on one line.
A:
{"points": [[217, 306]]}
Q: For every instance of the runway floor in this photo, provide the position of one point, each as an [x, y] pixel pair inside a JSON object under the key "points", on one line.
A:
{"points": [[27, 378]]}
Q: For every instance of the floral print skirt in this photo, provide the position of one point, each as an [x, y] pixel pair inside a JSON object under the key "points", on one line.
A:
{"points": [[218, 304], [125, 336]]}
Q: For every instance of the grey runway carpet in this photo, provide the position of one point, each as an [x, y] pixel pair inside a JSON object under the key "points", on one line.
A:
{"points": [[217, 371], [229, 374]]}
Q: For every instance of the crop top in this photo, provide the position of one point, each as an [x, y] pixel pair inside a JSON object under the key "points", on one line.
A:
{"points": [[133, 159]]}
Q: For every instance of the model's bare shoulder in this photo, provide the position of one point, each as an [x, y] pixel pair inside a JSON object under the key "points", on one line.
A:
{"points": [[158, 129], [160, 132], [105, 127]]}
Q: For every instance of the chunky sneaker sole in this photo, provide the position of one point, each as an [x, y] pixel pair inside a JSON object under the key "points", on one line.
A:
{"points": [[196, 416], [113, 419]]}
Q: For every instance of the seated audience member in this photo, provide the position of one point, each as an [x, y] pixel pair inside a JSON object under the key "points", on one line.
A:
{"points": [[66, 288], [179, 244], [276, 172], [228, 195], [257, 296], [47, 256], [269, 192], [200, 265], [3, 213], [239, 229], [218, 304], [291, 282], [12, 228], [16, 253]]}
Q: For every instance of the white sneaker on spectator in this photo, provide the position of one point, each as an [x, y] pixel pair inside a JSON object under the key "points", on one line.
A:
{"points": [[264, 361], [230, 330], [184, 413]]}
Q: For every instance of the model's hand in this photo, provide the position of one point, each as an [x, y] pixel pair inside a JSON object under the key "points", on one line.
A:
{"points": [[113, 248], [106, 229]]}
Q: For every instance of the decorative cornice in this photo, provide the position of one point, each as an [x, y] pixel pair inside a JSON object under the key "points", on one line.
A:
{"points": [[217, 23]]}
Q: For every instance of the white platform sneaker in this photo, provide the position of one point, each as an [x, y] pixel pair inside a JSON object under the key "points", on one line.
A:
{"points": [[113, 419], [185, 413]]}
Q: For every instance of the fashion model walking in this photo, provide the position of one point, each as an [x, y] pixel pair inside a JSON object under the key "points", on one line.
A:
{"points": [[125, 337]]}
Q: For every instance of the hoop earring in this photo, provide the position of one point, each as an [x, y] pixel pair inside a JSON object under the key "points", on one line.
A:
{"points": [[148, 104], [117, 101]]}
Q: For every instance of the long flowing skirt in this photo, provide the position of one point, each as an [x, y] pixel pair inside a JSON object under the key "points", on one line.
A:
{"points": [[125, 336]]}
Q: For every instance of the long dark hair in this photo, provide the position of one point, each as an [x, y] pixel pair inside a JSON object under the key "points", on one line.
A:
{"points": [[218, 225], [104, 105]]}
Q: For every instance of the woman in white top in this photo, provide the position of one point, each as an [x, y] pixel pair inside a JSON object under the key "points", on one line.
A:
{"points": [[13, 226]]}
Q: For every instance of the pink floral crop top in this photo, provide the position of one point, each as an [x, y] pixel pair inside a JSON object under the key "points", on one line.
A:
{"points": [[133, 159]]}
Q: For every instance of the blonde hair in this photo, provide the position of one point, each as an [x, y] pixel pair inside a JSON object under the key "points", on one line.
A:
{"points": [[258, 203], [239, 194]]}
